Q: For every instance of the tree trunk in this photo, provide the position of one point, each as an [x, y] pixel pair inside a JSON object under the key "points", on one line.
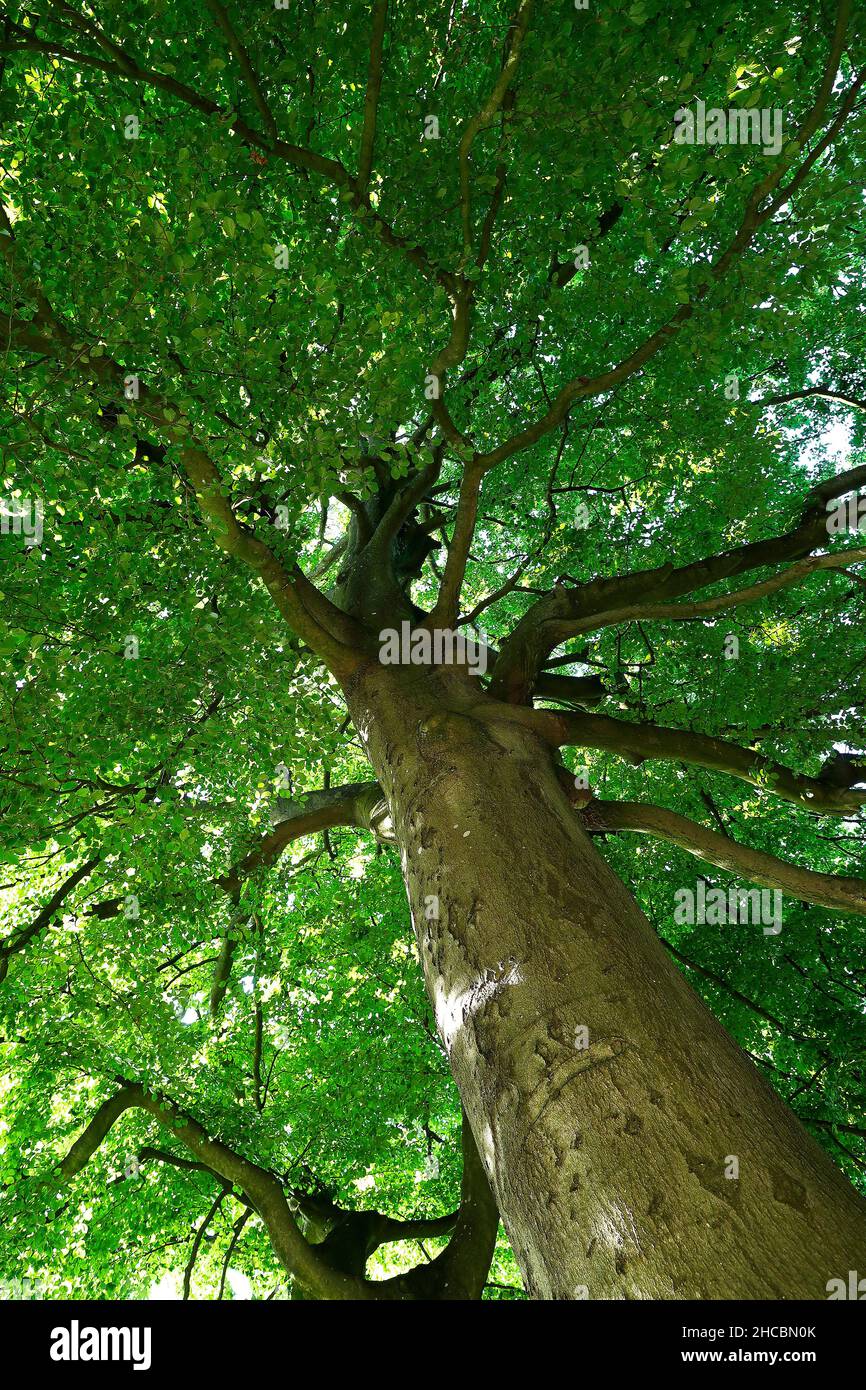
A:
{"points": [[608, 1160]]}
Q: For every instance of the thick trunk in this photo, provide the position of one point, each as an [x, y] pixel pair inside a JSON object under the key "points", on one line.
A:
{"points": [[346, 1246], [608, 1161]]}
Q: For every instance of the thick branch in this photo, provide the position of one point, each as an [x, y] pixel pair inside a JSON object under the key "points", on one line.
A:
{"points": [[329, 632], [605, 601], [706, 608], [570, 690], [371, 98], [640, 742], [297, 1256], [462, 1268], [447, 604], [421, 1228], [826, 890], [360, 804], [458, 1273], [405, 501]]}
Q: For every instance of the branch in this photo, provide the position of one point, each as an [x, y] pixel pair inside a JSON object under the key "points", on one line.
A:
{"points": [[126, 66], [759, 208], [688, 612], [557, 632], [328, 561], [296, 1255], [462, 289], [243, 61], [354, 505], [361, 805], [447, 604], [199, 1236], [826, 890], [741, 998], [563, 612], [330, 170], [487, 114], [833, 488], [371, 98], [641, 742], [826, 393], [570, 690], [421, 1228], [188, 1165], [25, 934], [318, 1209], [313, 617], [328, 631], [88, 26], [236, 1235], [858, 1130], [460, 1271], [406, 500]]}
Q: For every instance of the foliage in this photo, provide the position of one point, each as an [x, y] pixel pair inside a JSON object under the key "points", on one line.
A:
{"points": [[158, 253]]}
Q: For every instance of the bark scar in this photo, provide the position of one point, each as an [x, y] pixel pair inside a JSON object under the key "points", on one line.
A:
{"points": [[605, 1052]]}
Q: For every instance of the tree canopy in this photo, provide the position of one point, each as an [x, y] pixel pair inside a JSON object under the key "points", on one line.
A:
{"points": [[261, 266]]}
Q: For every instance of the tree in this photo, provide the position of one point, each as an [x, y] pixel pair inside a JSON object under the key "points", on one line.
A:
{"points": [[330, 331]]}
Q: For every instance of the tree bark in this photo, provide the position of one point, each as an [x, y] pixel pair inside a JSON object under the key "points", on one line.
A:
{"points": [[608, 1161]]}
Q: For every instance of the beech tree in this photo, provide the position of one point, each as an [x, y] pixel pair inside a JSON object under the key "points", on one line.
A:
{"points": [[432, 450]]}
